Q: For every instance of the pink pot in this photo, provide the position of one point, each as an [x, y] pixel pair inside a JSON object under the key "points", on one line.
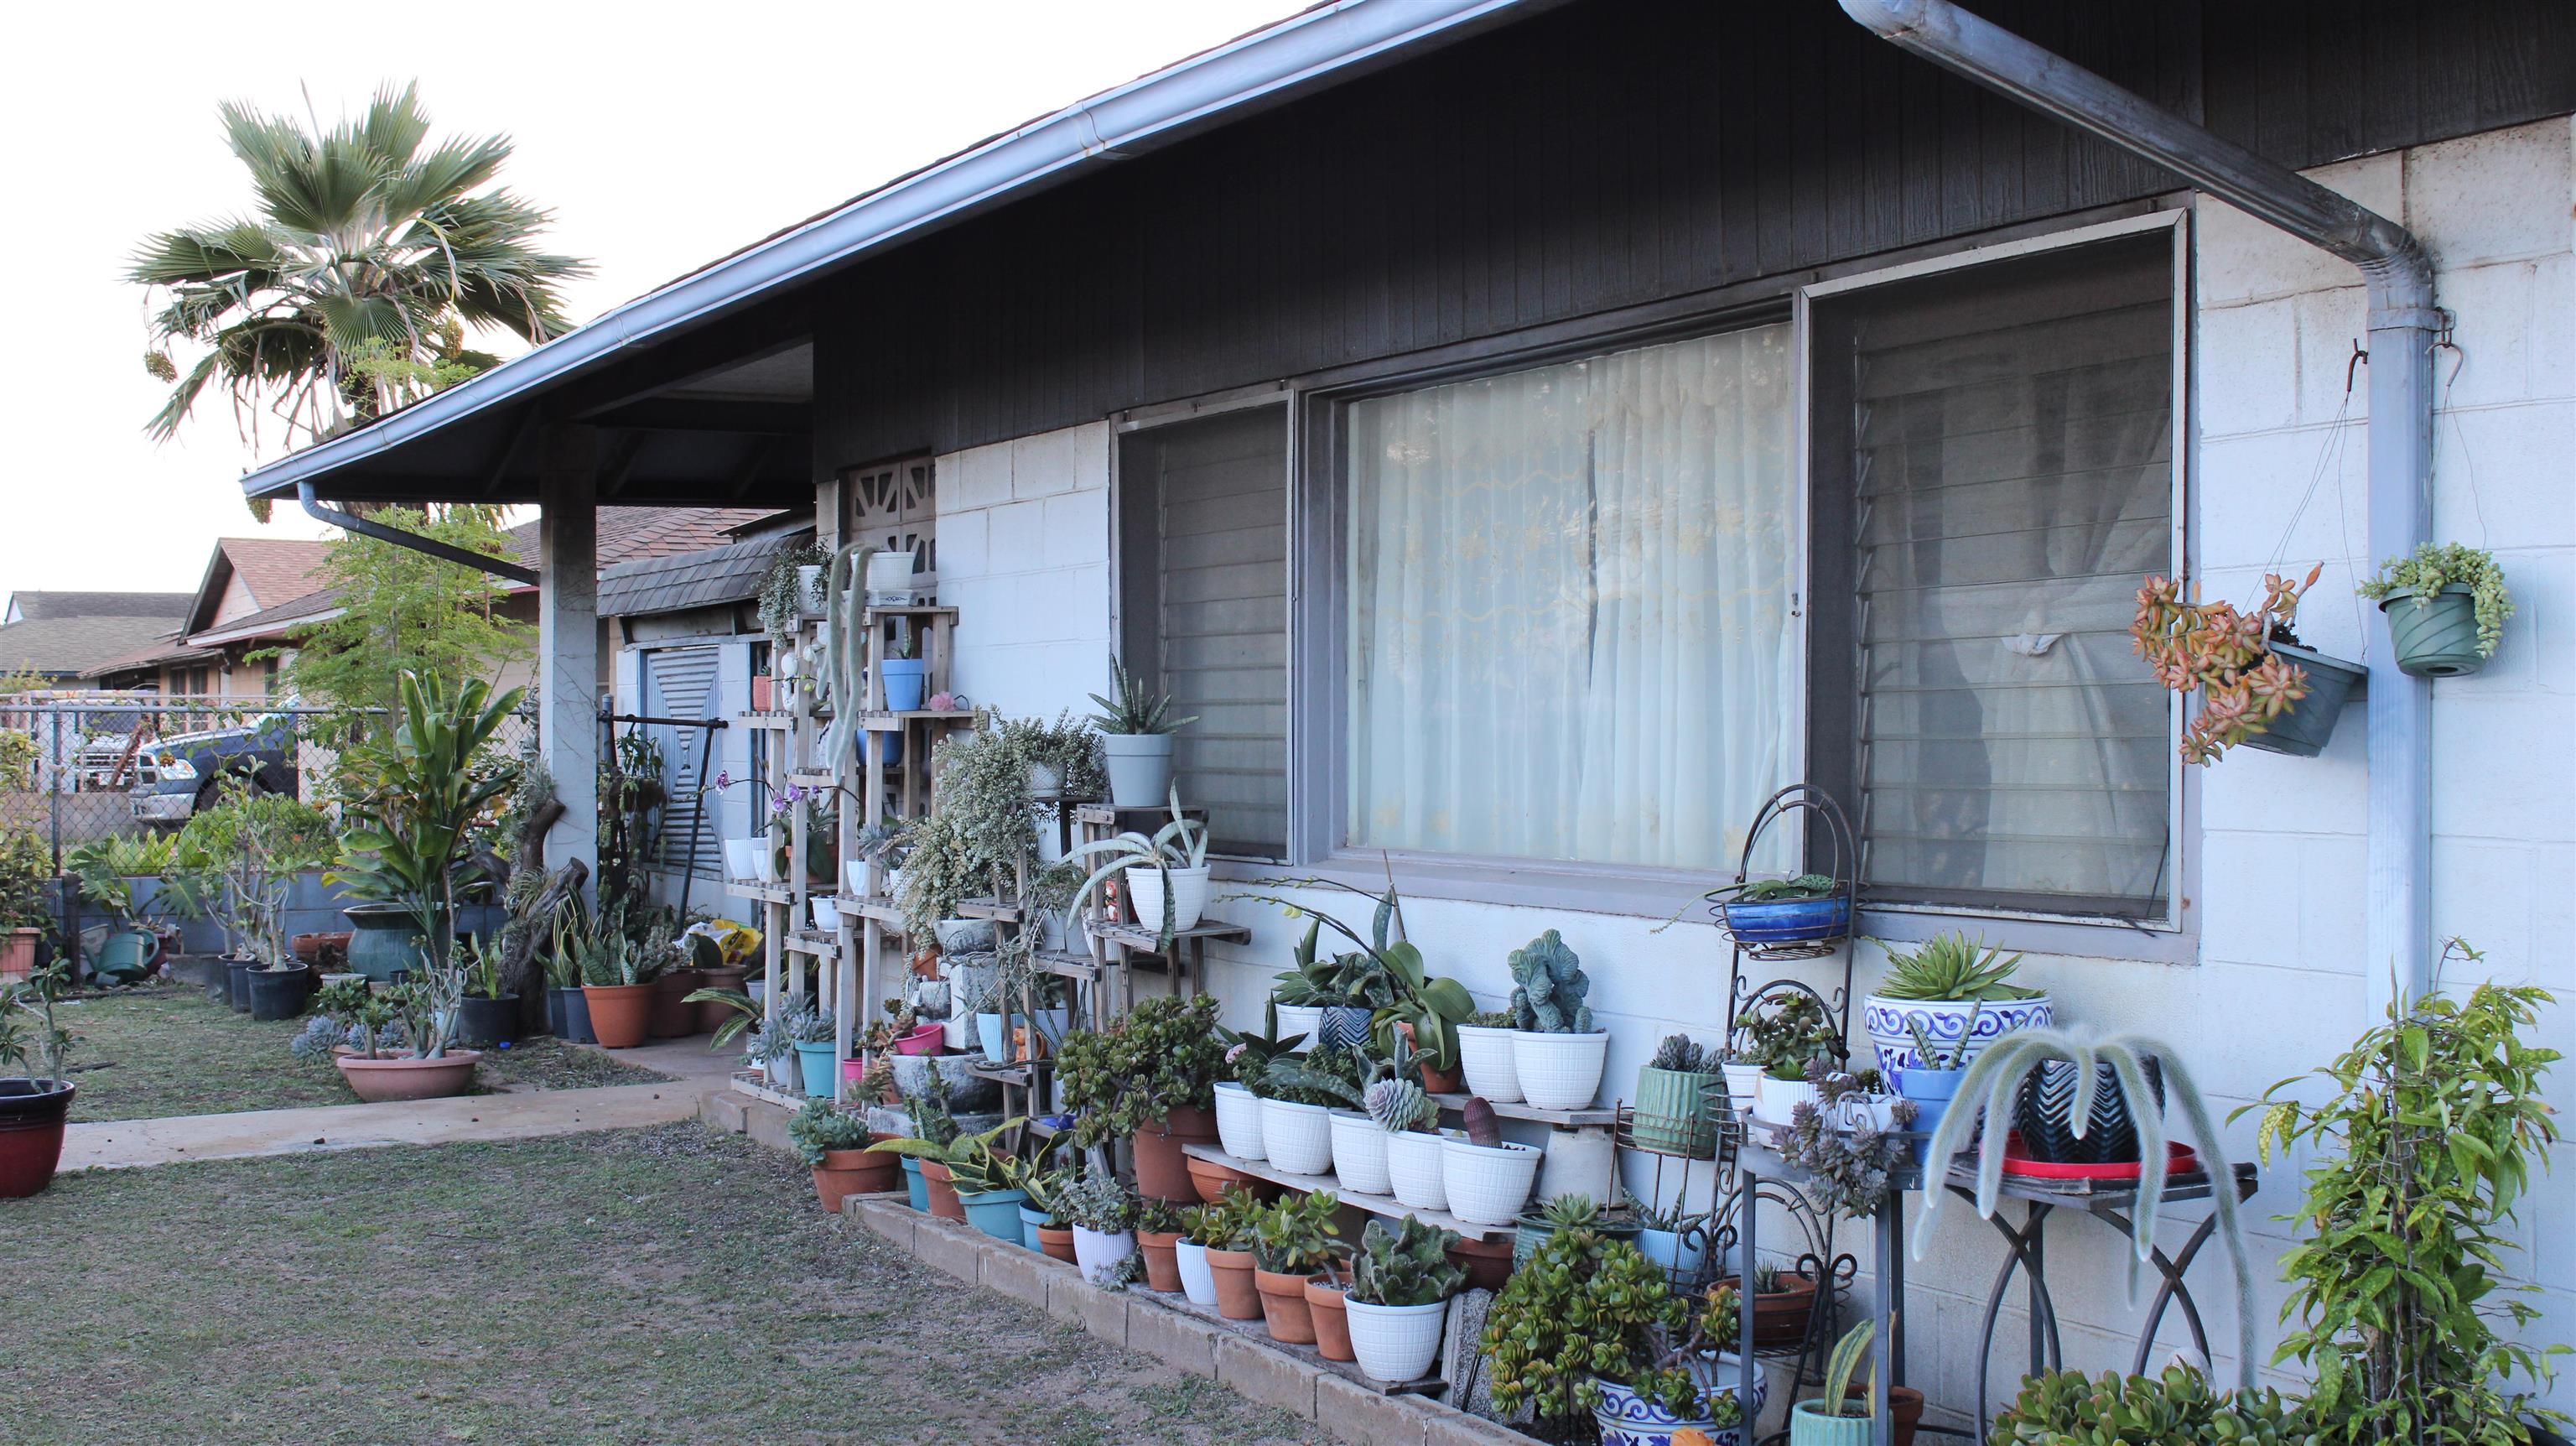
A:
{"points": [[383, 1081], [924, 1039]]}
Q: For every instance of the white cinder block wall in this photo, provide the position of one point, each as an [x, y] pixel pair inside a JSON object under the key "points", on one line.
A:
{"points": [[2279, 985]]}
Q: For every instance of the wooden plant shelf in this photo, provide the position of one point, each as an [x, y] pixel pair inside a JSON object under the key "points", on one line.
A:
{"points": [[809, 941], [926, 610], [1069, 966], [879, 721], [764, 893], [749, 1083], [1144, 940], [773, 718], [993, 909], [881, 909], [813, 778], [1010, 1074], [1386, 1205], [1571, 1119]]}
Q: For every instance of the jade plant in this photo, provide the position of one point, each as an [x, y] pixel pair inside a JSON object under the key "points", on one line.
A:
{"points": [[2224, 653], [1408, 1264], [2180, 1407], [2432, 567], [1296, 1234], [1584, 1307], [1994, 1080], [1165, 1055], [1548, 986]]}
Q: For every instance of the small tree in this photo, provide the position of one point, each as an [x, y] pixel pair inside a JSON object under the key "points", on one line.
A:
{"points": [[255, 842], [423, 790]]}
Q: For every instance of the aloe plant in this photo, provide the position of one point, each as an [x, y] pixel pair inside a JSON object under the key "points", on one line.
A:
{"points": [[1995, 1078], [1180, 844], [1949, 968]]}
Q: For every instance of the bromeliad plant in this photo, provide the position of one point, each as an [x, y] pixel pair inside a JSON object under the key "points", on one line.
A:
{"points": [[2226, 654], [2424, 1136], [419, 794]]}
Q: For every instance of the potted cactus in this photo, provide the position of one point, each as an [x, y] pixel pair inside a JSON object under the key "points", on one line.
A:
{"points": [[1557, 1055], [2446, 606], [2259, 686], [1398, 1300], [1486, 1177], [1677, 1099], [1957, 994]]}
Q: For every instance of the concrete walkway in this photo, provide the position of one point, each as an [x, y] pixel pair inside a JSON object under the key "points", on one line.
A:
{"points": [[511, 1115]]}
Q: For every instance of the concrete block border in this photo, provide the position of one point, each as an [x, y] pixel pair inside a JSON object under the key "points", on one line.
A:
{"points": [[1164, 1327]]}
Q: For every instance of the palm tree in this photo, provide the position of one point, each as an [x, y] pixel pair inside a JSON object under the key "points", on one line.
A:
{"points": [[350, 290]]}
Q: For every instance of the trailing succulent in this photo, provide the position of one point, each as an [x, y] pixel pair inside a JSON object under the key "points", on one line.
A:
{"points": [[2434, 566], [1406, 1265], [1165, 1055], [1548, 986], [2226, 655], [2179, 1408]]}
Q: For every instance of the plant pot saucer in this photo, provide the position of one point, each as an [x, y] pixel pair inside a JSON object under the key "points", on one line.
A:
{"points": [[2180, 1160]]}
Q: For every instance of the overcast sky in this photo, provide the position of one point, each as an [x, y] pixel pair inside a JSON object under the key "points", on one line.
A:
{"points": [[663, 135]]}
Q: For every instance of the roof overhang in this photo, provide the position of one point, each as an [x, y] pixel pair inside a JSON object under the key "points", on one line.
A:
{"points": [[481, 426]]}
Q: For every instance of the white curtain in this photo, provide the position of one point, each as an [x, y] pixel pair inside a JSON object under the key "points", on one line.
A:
{"points": [[1569, 607]]}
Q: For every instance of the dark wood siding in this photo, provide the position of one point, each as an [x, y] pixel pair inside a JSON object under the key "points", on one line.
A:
{"points": [[1604, 154]]}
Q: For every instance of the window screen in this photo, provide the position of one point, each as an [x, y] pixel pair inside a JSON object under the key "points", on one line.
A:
{"points": [[681, 683], [1993, 476]]}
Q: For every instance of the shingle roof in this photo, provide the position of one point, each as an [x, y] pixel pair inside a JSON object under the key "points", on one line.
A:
{"points": [[270, 621], [709, 577], [629, 533], [276, 569], [43, 606], [152, 655], [70, 647]]}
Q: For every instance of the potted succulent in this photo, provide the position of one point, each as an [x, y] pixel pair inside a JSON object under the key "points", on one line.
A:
{"points": [[2446, 606], [1136, 740], [1775, 1037], [2069, 1406], [1569, 1212], [1398, 1300], [1150, 1079], [1485, 1055], [1158, 1240], [1847, 1148], [1783, 1301], [791, 588], [1486, 1177], [1327, 1303], [946, 1156], [1589, 1324], [421, 1011], [1410, 1121], [1345, 1079], [2259, 686], [1238, 1109], [1676, 1111], [1676, 1239], [1227, 1229], [1840, 1417], [1297, 1100], [567, 1009], [1557, 1055], [1037, 1213], [33, 1106], [488, 1014], [987, 1182], [1063, 757], [1952, 992], [1806, 909], [1292, 1239], [1201, 1227], [617, 985], [835, 1147], [1681, 1383], [1166, 874], [1930, 1085], [1102, 1212]]}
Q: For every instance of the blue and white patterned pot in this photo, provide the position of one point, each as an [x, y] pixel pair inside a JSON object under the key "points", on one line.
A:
{"points": [[1626, 1420], [1943, 1021], [1344, 1026]]}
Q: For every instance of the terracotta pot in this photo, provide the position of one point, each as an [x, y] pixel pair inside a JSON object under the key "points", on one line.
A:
{"points": [[712, 1016], [1332, 1322], [379, 1081], [321, 950], [943, 1192], [854, 1172], [760, 692], [1488, 1263], [1904, 1403], [1437, 1081], [1162, 1252], [1780, 1319], [1162, 1171], [1210, 1178], [620, 1014], [673, 1016], [1237, 1298], [1056, 1244], [1283, 1306], [18, 953]]}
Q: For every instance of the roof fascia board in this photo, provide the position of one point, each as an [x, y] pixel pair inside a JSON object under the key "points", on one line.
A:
{"points": [[1295, 51], [265, 630]]}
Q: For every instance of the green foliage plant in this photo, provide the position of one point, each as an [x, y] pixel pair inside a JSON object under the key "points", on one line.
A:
{"points": [[1840, 1367], [819, 1127], [1786, 1029], [30, 1033], [1586, 1307], [425, 788], [253, 842], [1165, 1055], [1405, 1264], [402, 611], [2434, 566], [1548, 986], [1248, 1056], [1136, 710], [1384, 972], [25, 864], [2178, 1408], [2424, 1135], [1947, 967]]}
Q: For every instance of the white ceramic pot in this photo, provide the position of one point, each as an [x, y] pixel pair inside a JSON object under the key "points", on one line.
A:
{"points": [[1140, 768], [1560, 1071], [1743, 1085], [1300, 1019], [1359, 1153], [859, 879], [956, 1034], [827, 914], [890, 571], [1780, 1098], [1486, 1056], [1099, 1254], [1045, 784], [1238, 1122], [764, 866], [1944, 1022], [1488, 1184], [1189, 895], [1298, 1137], [1396, 1342], [893, 882], [809, 587], [742, 857], [1415, 1171], [1576, 1163], [1197, 1281]]}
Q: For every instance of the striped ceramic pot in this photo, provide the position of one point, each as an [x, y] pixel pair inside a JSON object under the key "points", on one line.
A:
{"points": [[1944, 1022]]}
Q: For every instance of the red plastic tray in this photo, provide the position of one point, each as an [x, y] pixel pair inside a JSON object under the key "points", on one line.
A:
{"points": [[2180, 1159]]}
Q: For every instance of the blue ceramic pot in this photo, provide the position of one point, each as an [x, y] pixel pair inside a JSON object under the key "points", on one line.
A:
{"points": [[1931, 1090], [1030, 1220], [1627, 1420], [914, 1186], [1679, 1252], [1787, 921], [995, 1212], [816, 1064], [1345, 1026], [904, 680]]}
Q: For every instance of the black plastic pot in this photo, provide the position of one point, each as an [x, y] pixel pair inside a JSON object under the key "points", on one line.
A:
{"points": [[237, 983], [2303, 731], [218, 980], [278, 993], [2044, 1112], [568, 1015], [481, 1022]]}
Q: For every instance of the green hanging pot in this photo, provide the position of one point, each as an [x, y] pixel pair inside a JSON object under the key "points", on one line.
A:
{"points": [[2435, 637]]}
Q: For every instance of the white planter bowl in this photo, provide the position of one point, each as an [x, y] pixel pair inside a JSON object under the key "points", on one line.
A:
{"points": [[859, 879], [1189, 895], [764, 866], [742, 857], [1415, 1171], [1298, 1137], [1238, 1122], [1944, 1021], [1780, 1098], [1099, 1254], [1300, 1019], [1743, 1085], [1488, 1184], [1396, 1342], [1560, 1071], [1197, 1281], [827, 915], [1359, 1153], [1486, 1056]]}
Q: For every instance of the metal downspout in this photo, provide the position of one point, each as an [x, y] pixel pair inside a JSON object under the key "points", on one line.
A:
{"points": [[2404, 322], [321, 511]]}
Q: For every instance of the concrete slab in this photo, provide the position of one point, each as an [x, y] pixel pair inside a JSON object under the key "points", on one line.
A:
{"points": [[1179, 1340], [126, 1144], [1368, 1418], [1101, 1312], [1022, 1275], [1270, 1377]]}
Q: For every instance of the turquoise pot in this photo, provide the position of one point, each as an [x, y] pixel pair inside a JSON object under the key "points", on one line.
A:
{"points": [[383, 940], [817, 1064], [1030, 1220], [995, 1212], [1810, 1426], [915, 1186], [905, 679]]}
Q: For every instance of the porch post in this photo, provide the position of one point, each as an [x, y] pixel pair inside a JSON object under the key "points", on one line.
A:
{"points": [[568, 642]]}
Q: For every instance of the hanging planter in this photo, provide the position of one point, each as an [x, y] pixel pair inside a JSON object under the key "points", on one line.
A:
{"points": [[2446, 607], [2259, 685]]}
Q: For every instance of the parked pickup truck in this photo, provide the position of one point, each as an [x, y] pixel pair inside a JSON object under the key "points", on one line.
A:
{"points": [[177, 775]]}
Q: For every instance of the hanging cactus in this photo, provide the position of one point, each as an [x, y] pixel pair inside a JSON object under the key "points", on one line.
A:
{"points": [[1548, 985], [1399, 1105]]}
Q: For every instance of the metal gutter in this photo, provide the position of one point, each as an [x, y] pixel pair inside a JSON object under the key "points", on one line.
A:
{"points": [[1297, 50], [2404, 323], [430, 546]]}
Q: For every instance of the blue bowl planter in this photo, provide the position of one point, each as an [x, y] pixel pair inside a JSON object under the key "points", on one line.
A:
{"points": [[1944, 1022], [1030, 1219], [1787, 921], [904, 680], [816, 1064], [996, 1213], [1626, 1420], [914, 1186]]}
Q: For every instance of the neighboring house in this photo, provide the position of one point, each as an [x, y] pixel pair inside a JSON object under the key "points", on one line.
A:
{"points": [[1529, 434], [57, 638]]}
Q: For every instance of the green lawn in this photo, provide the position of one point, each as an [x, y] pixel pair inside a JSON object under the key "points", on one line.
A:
{"points": [[671, 1285], [164, 1049]]}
